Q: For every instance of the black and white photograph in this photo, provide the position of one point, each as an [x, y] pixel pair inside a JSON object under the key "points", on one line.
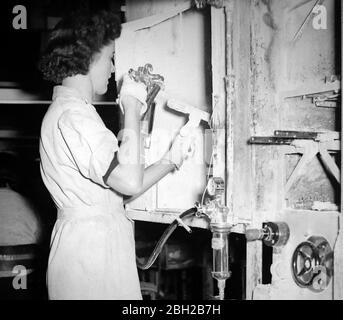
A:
{"points": [[186, 151]]}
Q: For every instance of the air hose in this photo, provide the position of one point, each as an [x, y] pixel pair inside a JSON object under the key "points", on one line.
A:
{"points": [[166, 234]]}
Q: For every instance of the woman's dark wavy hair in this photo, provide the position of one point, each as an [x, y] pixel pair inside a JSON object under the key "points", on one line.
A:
{"points": [[74, 41]]}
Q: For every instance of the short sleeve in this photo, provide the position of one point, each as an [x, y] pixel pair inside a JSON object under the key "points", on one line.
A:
{"points": [[91, 145]]}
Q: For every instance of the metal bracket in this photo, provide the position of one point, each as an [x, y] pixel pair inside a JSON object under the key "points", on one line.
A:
{"points": [[270, 140], [310, 144], [310, 150], [329, 162], [326, 104], [282, 137], [296, 134], [318, 99], [332, 85]]}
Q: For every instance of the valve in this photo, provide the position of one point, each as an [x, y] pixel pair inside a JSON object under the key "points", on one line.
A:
{"points": [[312, 264], [273, 234], [220, 225]]}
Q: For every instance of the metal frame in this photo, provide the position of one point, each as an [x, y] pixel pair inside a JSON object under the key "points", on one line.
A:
{"points": [[338, 247]]}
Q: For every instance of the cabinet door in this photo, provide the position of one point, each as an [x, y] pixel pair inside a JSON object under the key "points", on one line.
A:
{"points": [[176, 46]]}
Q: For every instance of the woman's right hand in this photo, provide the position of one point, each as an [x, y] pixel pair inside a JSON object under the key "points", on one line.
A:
{"points": [[181, 148], [130, 92]]}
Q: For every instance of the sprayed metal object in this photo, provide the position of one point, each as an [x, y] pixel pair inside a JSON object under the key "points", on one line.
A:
{"points": [[154, 83]]}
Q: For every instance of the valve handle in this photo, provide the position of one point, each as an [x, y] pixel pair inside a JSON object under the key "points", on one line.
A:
{"points": [[312, 264]]}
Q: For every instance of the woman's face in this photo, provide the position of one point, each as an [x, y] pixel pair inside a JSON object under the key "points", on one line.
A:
{"points": [[101, 68]]}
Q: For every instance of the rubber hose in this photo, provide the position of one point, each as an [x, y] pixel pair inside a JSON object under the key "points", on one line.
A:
{"points": [[166, 234]]}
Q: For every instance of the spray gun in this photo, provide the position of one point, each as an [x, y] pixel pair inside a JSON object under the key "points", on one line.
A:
{"points": [[195, 116], [154, 83]]}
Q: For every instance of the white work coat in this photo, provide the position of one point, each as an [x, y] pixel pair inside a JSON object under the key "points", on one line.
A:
{"points": [[92, 253]]}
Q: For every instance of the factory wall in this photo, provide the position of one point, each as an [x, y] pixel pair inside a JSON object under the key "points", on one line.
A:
{"points": [[292, 57]]}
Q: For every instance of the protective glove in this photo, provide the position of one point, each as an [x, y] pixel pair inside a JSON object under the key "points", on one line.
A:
{"points": [[134, 89], [182, 148]]}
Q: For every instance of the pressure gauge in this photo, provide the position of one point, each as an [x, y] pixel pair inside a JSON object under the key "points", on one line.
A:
{"points": [[211, 189], [215, 186]]}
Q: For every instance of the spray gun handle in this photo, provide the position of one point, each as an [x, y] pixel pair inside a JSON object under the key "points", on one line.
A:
{"points": [[189, 144], [195, 117], [188, 109], [186, 132]]}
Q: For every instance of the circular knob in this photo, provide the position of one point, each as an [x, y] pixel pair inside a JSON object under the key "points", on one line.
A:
{"points": [[277, 234]]}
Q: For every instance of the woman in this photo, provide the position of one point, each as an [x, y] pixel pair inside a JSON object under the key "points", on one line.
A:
{"points": [[92, 246]]}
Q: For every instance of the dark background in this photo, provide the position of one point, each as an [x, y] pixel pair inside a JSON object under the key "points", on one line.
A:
{"points": [[19, 55]]}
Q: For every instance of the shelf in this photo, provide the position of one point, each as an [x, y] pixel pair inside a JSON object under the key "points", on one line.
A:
{"points": [[13, 95], [307, 211], [166, 217], [311, 90], [48, 102]]}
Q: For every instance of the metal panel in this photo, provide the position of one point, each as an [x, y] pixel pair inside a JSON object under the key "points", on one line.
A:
{"points": [[174, 43]]}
